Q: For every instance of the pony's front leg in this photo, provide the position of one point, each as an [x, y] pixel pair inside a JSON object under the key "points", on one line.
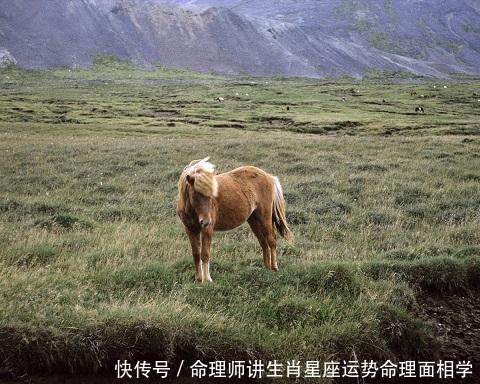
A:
{"points": [[207, 234], [195, 242]]}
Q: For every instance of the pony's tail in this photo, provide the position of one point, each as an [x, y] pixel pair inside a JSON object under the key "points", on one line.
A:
{"points": [[278, 216]]}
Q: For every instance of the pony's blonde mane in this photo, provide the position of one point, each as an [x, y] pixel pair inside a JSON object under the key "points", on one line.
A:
{"points": [[205, 182]]}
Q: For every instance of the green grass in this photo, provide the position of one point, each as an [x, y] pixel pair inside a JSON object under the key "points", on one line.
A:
{"points": [[95, 266]]}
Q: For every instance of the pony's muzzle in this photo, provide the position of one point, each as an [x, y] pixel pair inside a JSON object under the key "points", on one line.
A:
{"points": [[204, 223]]}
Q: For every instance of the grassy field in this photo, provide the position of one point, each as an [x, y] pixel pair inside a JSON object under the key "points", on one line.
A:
{"points": [[95, 266]]}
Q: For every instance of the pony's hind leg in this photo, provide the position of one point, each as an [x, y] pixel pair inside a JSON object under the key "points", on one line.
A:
{"points": [[259, 230], [272, 244], [196, 246]]}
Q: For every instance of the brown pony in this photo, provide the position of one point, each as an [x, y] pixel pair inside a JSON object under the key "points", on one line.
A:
{"points": [[208, 202]]}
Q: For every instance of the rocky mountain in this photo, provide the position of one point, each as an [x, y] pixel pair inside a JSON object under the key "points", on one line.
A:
{"points": [[262, 37], [6, 58], [47, 33]]}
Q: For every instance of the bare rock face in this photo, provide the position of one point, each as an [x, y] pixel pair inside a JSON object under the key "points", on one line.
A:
{"points": [[49, 33], [6, 58], [266, 37], [425, 37]]}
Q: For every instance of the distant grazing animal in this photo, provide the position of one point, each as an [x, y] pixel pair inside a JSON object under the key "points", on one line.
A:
{"points": [[220, 99], [413, 93], [344, 99], [288, 108], [419, 110], [208, 202], [384, 101]]}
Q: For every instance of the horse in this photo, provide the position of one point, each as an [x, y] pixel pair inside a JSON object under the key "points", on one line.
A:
{"points": [[209, 202]]}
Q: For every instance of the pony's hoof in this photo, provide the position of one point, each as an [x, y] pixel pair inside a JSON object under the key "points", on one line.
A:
{"points": [[201, 281], [275, 268]]}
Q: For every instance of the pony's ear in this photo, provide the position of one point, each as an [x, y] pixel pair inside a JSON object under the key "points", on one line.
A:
{"points": [[190, 179]]}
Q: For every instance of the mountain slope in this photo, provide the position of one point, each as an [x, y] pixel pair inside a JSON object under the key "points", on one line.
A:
{"points": [[423, 36], [263, 37], [49, 33]]}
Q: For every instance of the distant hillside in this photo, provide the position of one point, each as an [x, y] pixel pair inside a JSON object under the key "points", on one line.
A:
{"points": [[48, 33], [262, 37]]}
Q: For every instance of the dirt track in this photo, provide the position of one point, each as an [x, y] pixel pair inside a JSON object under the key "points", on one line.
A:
{"points": [[456, 324]]}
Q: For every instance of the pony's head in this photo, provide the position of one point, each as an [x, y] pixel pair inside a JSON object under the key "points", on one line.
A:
{"points": [[196, 188]]}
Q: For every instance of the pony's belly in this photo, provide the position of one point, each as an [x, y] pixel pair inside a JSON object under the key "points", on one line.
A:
{"points": [[220, 226]]}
